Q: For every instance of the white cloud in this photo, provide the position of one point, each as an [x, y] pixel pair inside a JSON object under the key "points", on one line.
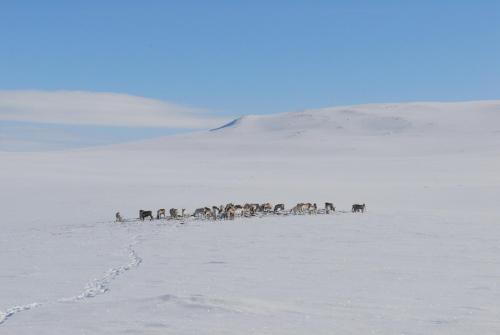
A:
{"points": [[93, 108]]}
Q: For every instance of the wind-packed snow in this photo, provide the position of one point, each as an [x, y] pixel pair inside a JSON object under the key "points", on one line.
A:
{"points": [[423, 259]]}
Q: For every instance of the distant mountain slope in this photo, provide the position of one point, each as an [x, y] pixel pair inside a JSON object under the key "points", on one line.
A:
{"points": [[408, 129], [377, 119]]}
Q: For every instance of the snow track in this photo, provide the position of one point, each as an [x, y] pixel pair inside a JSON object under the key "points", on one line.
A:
{"points": [[92, 289], [102, 285], [16, 309]]}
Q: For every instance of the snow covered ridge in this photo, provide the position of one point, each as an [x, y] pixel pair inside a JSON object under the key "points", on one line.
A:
{"points": [[409, 129], [376, 119]]}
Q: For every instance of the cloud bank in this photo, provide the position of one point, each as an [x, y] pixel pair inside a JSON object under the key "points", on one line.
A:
{"points": [[101, 109]]}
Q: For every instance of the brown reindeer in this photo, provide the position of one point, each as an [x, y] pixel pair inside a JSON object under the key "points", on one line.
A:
{"points": [[249, 209], [299, 208], [160, 212], [229, 213], [302, 208], [267, 207]]}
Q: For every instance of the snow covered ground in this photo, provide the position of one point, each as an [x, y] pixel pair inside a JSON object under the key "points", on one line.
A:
{"points": [[423, 259]]}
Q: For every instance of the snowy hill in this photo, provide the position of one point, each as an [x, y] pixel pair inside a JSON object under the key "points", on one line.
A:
{"points": [[364, 130], [422, 260], [379, 119]]}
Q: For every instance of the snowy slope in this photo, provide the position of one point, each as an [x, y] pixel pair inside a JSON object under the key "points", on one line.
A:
{"points": [[379, 119], [400, 129], [422, 260]]}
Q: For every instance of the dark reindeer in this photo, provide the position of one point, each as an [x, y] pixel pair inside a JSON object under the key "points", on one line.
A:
{"points": [[216, 211], [144, 214], [279, 207], [358, 208], [329, 207], [174, 213]]}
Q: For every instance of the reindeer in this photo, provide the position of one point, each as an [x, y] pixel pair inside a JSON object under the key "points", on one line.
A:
{"points": [[118, 217], [199, 212], [358, 208], [266, 208], [247, 209], [160, 212], [299, 208], [310, 208], [208, 213], [229, 213], [329, 207], [313, 209], [174, 213], [238, 210], [226, 210], [279, 207], [302, 208], [216, 212], [250, 209], [203, 212], [144, 214]]}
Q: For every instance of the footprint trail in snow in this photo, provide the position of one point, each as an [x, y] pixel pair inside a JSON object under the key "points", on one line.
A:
{"points": [[102, 285], [16, 309], [93, 288]]}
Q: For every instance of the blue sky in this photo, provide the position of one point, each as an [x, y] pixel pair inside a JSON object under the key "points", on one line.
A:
{"points": [[233, 57]]}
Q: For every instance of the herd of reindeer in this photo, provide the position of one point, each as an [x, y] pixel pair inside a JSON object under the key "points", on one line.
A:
{"points": [[230, 211]]}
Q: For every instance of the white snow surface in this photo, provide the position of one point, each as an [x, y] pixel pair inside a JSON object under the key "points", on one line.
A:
{"points": [[423, 259]]}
